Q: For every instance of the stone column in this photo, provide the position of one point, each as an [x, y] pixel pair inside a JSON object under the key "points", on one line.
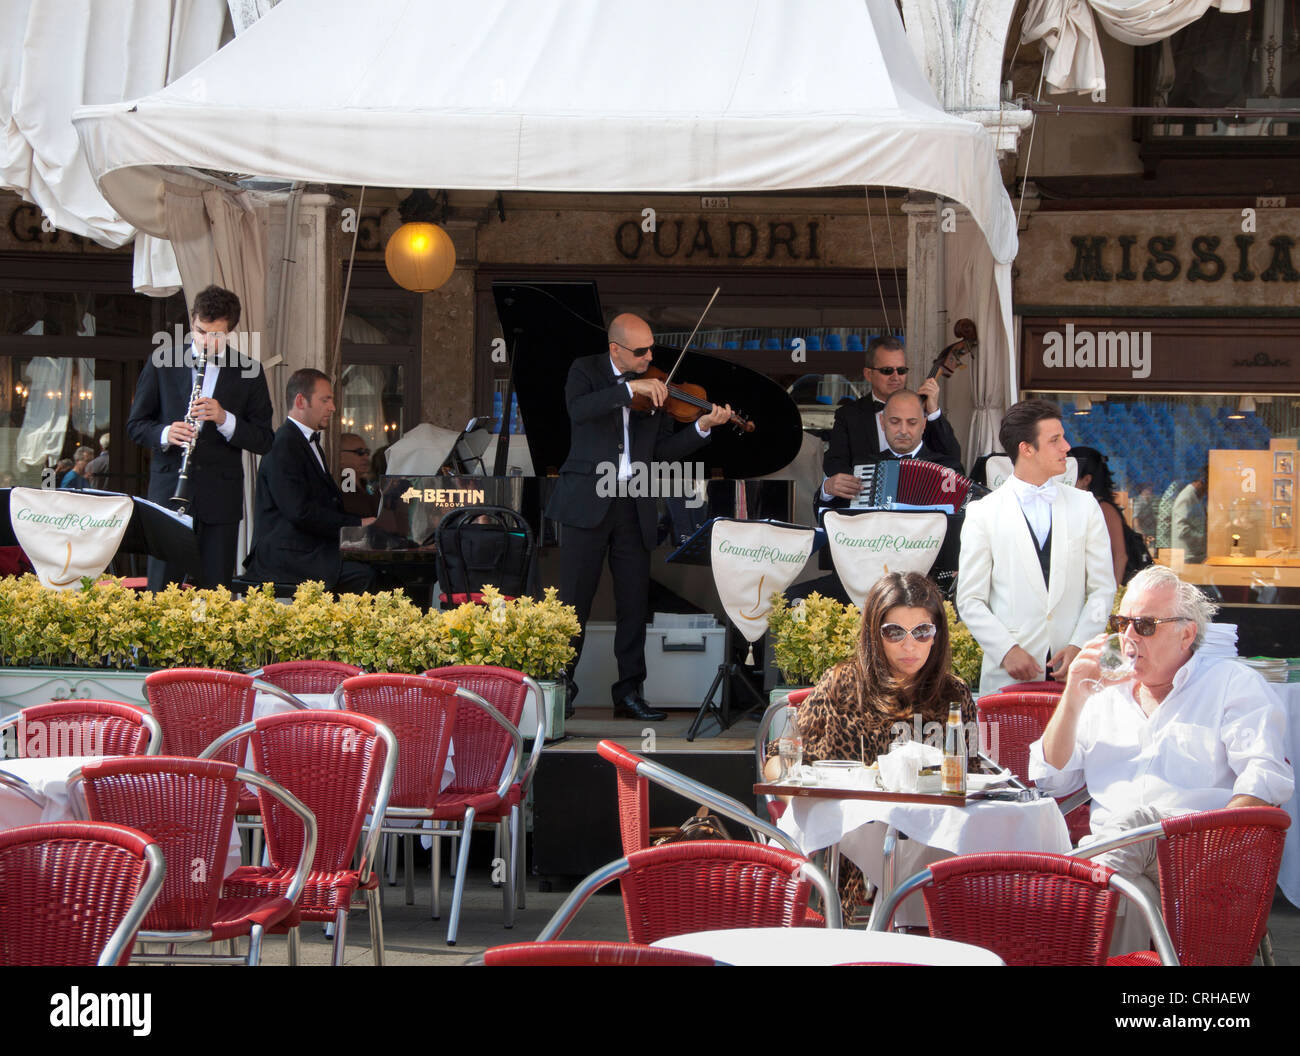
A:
{"points": [[926, 309]]}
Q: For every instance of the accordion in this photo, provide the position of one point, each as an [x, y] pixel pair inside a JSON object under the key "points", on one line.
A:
{"points": [[910, 484]]}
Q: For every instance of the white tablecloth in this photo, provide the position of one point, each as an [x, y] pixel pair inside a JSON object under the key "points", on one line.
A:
{"points": [[1288, 877], [791, 947], [935, 831], [49, 777]]}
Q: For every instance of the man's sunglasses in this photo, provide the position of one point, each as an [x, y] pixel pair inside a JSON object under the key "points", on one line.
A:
{"points": [[1144, 625], [900, 371], [638, 352], [356, 450], [922, 632]]}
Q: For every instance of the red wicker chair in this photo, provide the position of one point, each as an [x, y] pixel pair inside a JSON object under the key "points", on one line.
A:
{"points": [[188, 806], [82, 727], [340, 766], [1218, 872], [634, 775], [307, 676], [702, 885], [1029, 909], [508, 691], [1047, 686], [194, 706], [564, 954], [423, 714], [75, 893], [1020, 719]]}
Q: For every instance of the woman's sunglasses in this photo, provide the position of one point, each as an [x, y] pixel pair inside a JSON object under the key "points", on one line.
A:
{"points": [[1144, 625], [922, 632]]}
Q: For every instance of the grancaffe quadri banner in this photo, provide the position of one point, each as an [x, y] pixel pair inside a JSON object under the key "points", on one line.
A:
{"points": [[68, 534], [752, 560], [866, 546]]}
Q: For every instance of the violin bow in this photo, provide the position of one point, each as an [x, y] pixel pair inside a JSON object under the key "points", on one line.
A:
{"points": [[699, 322]]}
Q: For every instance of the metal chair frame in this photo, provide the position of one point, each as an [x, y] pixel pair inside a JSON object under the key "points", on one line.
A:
{"points": [[724, 805], [1158, 831], [761, 738], [123, 936], [256, 931], [608, 873], [369, 843], [511, 827], [1150, 915], [119, 708], [464, 826]]}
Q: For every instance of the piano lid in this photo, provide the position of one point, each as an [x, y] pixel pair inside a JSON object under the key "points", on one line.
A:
{"points": [[548, 325]]}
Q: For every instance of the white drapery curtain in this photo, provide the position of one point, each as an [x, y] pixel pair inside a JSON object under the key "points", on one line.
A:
{"points": [[1067, 32], [55, 57], [978, 288]]}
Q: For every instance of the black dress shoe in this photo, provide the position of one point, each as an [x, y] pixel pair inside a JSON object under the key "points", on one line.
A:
{"points": [[633, 706]]}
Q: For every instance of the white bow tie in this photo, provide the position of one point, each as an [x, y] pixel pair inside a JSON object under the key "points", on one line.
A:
{"points": [[1046, 492]]}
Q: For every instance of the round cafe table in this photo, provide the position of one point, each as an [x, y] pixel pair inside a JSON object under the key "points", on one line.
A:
{"points": [[797, 947]]}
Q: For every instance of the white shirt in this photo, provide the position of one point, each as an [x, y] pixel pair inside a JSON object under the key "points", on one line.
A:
{"points": [[226, 428], [625, 457], [1035, 504], [1221, 732], [307, 435]]}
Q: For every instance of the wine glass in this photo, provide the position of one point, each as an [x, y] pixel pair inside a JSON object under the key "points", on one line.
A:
{"points": [[1115, 662]]}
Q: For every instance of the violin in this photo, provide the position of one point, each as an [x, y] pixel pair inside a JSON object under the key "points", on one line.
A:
{"points": [[685, 403], [950, 358]]}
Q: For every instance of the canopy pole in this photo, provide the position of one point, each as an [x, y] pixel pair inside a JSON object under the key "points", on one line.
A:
{"points": [[335, 356]]}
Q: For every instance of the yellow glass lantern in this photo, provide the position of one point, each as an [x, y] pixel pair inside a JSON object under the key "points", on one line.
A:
{"points": [[420, 256]]}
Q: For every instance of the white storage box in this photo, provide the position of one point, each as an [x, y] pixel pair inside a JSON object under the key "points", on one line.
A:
{"points": [[680, 665]]}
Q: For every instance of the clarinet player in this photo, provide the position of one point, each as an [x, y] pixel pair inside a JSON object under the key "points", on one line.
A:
{"points": [[230, 414]]}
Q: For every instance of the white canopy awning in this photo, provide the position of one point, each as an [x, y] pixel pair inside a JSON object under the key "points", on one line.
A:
{"points": [[557, 95]]}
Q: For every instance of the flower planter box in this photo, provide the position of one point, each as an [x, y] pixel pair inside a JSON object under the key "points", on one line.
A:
{"points": [[21, 687]]}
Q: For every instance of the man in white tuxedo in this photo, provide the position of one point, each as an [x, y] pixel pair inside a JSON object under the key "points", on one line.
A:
{"points": [[1035, 579]]}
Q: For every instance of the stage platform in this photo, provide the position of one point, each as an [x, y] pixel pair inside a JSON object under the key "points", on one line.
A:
{"points": [[575, 802]]}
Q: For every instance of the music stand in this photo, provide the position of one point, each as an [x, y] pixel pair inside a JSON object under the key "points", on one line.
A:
{"points": [[698, 550]]}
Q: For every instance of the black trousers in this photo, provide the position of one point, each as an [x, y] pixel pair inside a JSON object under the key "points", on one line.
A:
{"points": [[355, 577], [582, 551], [216, 558]]}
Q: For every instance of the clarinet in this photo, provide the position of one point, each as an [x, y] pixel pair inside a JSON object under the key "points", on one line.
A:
{"points": [[180, 502]]}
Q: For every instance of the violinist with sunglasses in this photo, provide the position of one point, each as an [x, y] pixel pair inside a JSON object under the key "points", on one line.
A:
{"points": [[902, 670], [858, 434]]}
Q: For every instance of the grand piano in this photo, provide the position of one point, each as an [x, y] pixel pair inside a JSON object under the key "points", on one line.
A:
{"points": [[548, 325]]}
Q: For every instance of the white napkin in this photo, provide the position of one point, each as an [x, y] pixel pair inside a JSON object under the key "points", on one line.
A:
{"points": [[900, 768]]}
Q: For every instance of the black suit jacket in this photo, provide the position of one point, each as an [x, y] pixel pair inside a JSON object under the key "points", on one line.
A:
{"points": [[595, 401], [854, 440], [298, 516], [162, 396]]}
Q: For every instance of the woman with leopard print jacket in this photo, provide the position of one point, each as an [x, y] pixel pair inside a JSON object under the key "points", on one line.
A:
{"points": [[901, 672]]}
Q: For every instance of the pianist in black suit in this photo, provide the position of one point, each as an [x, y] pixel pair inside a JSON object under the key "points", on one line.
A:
{"points": [[299, 507], [857, 437], [608, 442]]}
